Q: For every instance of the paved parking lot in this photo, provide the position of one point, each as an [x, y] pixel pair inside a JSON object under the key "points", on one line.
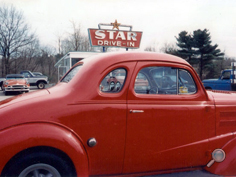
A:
{"points": [[197, 173], [3, 96], [32, 89]]}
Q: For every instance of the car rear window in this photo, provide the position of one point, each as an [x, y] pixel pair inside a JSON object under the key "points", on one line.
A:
{"points": [[67, 78], [114, 81]]}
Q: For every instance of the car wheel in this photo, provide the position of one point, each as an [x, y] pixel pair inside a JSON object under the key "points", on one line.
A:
{"points": [[38, 164], [41, 85], [208, 88], [6, 93], [40, 169]]}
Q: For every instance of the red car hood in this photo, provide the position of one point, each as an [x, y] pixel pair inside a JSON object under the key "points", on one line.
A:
{"points": [[16, 82], [225, 103], [223, 97]]}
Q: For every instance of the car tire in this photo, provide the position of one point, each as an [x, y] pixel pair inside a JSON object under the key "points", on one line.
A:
{"points": [[41, 85], [208, 88], [38, 164], [6, 93]]}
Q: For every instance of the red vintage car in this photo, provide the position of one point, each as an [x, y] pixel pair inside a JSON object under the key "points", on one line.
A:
{"points": [[15, 83], [159, 120]]}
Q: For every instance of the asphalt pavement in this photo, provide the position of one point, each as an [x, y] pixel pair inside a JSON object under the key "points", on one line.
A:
{"points": [[196, 173], [11, 94]]}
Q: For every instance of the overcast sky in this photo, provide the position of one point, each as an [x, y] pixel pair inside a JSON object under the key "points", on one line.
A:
{"points": [[160, 20]]}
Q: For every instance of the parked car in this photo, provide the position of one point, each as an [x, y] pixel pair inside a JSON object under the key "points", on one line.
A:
{"points": [[81, 127], [1, 81], [15, 83], [35, 80], [226, 81]]}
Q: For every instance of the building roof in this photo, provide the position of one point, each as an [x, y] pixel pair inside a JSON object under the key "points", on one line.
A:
{"points": [[75, 55]]}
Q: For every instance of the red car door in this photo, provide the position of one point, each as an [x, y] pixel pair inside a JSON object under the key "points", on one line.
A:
{"points": [[169, 119]]}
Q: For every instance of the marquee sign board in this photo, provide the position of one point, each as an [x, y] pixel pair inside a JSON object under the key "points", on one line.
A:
{"points": [[114, 38]]}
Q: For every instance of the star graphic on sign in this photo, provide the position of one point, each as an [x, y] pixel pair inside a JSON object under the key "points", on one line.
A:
{"points": [[115, 25]]}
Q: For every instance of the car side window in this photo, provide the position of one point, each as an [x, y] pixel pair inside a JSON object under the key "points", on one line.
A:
{"points": [[164, 80], [114, 81], [226, 75], [26, 74], [186, 83], [142, 84]]}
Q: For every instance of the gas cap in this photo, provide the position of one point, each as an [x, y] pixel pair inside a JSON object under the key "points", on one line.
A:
{"points": [[92, 142]]}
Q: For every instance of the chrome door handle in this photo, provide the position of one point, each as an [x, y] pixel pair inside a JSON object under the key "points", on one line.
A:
{"points": [[136, 111]]}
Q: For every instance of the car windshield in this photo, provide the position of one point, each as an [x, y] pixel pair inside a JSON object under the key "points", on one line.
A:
{"points": [[67, 78], [38, 74], [32, 73]]}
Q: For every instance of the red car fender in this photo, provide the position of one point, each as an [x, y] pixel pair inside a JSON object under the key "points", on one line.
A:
{"points": [[18, 138], [227, 167]]}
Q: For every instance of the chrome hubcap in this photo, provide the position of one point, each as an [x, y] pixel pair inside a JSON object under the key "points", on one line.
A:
{"points": [[40, 170], [41, 85]]}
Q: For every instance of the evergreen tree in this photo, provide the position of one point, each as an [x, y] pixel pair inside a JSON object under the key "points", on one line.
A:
{"points": [[197, 48], [205, 52], [185, 43]]}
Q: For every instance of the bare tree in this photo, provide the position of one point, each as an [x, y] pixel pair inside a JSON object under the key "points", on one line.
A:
{"points": [[169, 48], [27, 57], [153, 47], [66, 46], [46, 62], [75, 37], [59, 40], [14, 34], [75, 41], [150, 49]]}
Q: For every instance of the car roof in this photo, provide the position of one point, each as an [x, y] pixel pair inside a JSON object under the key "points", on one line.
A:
{"points": [[228, 70], [116, 57]]}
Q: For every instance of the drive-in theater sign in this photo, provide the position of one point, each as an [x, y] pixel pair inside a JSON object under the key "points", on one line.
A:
{"points": [[114, 38]]}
